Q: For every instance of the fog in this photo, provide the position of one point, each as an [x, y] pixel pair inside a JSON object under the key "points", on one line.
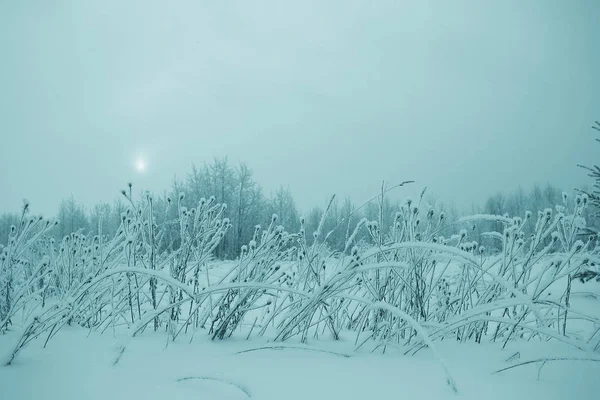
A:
{"points": [[251, 173], [469, 98]]}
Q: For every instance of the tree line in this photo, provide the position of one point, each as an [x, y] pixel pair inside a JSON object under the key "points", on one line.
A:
{"points": [[248, 205]]}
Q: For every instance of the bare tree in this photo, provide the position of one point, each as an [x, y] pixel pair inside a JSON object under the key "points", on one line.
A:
{"points": [[72, 217]]}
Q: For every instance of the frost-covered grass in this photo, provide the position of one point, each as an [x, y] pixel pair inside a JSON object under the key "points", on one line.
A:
{"points": [[405, 291]]}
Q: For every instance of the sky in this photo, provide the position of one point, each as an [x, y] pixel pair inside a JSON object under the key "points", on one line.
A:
{"points": [[468, 98]]}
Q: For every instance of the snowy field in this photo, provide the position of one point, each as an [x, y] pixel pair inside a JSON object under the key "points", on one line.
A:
{"points": [[75, 366], [78, 364], [411, 314]]}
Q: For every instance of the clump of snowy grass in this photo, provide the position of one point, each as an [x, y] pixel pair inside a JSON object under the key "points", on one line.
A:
{"points": [[24, 268]]}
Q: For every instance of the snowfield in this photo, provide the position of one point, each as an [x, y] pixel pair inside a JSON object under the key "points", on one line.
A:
{"points": [[78, 364], [75, 366], [406, 314]]}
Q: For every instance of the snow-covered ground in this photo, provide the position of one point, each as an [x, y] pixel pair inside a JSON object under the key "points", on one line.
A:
{"points": [[77, 366]]}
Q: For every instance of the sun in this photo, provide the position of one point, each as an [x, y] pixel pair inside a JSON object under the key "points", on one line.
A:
{"points": [[140, 164]]}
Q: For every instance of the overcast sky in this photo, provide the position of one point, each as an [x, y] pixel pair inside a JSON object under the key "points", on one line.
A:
{"points": [[467, 97]]}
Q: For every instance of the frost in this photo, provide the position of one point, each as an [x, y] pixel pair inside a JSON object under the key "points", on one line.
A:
{"points": [[580, 223]]}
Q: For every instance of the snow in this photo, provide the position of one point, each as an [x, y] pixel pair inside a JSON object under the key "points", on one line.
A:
{"points": [[77, 366]]}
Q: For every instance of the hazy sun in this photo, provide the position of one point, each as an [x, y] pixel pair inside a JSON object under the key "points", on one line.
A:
{"points": [[140, 164]]}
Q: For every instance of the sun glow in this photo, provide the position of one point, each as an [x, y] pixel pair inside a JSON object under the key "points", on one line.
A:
{"points": [[140, 164]]}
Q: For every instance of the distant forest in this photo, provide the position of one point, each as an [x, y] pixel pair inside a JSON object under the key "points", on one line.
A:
{"points": [[248, 206]]}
